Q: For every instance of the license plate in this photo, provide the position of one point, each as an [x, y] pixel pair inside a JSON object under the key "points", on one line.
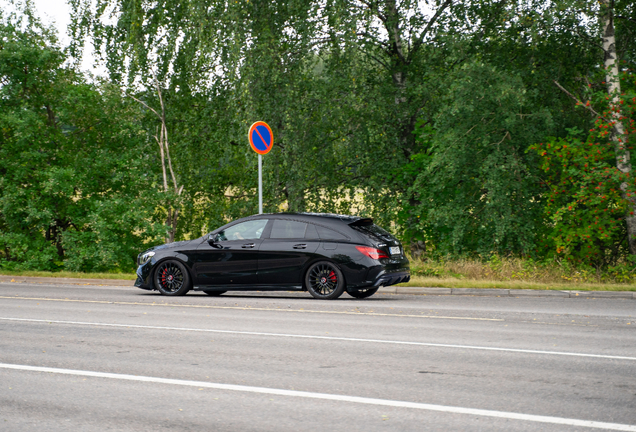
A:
{"points": [[395, 250]]}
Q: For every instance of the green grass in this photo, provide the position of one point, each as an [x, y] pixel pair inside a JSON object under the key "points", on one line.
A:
{"points": [[67, 274], [499, 273], [520, 273], [419, 281]]}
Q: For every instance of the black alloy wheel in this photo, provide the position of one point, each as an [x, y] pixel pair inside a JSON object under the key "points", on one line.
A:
{"points": [[172, 278], [214, 293], [324, 281], [361, 293]]}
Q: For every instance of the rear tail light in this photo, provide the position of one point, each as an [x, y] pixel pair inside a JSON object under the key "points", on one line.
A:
{"points": [[372, 253]]}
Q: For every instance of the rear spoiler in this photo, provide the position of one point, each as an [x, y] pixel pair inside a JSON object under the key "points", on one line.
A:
{"points": [[362, 222]]}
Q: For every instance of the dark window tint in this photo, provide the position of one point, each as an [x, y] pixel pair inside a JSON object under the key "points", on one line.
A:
{"points": [[283, 229], [244, 230], [311, 232], [328, 234], [375, 231]]}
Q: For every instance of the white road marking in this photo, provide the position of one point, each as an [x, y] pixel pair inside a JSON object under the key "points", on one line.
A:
{"points": [[248, 308], [330, 397], [300, 336]]}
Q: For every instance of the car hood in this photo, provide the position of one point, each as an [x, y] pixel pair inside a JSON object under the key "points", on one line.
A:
{"points": [[174, 245]]}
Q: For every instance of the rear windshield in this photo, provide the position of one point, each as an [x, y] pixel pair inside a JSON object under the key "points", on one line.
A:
{"points": [[374, 231]]}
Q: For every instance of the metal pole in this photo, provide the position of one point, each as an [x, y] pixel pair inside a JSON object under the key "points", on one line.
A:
{"points": [[260, 184]]}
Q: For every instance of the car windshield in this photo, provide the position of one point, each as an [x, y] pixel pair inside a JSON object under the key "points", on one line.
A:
{"points": [[248, 230]]}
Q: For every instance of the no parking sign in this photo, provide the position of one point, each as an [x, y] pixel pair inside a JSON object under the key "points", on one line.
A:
{"points": [[261, 139]]}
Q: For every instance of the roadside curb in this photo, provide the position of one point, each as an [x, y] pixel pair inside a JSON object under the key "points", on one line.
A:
{"points": [[498, 292], [488, 292], [66, 281]]}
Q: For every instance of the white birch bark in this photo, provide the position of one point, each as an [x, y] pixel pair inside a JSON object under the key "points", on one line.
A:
{"points": [[617, 136], [164, 150]]}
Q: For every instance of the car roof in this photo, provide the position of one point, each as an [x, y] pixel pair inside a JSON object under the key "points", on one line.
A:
{"points": [[325, 218], [344, 218], [335, 221]]}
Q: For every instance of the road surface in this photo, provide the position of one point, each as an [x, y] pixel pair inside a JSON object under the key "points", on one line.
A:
{"points": [[96, 358]]}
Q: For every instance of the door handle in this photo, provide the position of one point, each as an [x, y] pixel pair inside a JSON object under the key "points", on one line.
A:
{"points": [[248, 245], [300, 246]]}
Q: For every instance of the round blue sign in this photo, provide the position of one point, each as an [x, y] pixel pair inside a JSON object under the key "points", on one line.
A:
{"points": [[261, 137]]}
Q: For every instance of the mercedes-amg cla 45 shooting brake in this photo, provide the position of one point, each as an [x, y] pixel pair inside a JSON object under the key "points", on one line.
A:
{"points": [[324, 254]]}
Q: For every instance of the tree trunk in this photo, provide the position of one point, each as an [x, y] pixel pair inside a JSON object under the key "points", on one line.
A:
{"points": [[623, 162], [400, 61], [164, 150], [171, 222]]}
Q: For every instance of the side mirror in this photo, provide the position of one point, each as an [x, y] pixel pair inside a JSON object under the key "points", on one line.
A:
{"points": [[213, 240]]}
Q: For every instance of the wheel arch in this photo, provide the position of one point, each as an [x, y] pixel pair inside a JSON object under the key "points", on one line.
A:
{"points": [[318, 259], [156, 265]]}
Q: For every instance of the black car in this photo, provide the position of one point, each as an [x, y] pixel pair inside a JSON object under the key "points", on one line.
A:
{"points": [[325, 254]]}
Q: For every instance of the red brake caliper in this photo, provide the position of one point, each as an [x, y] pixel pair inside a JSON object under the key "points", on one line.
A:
{"points": [[332, 276], [163, 276]]}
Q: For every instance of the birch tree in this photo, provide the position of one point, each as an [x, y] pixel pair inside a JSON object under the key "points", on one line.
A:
{"points": [[612, 78], [161, 136]]}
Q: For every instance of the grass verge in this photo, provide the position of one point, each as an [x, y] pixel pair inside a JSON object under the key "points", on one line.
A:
{"points": [[470, 275], [520, 273], [67, 274], [433, 282]]}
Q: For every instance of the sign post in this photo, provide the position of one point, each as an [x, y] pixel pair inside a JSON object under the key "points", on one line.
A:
{"points": [[260, 183], [261, 140]]}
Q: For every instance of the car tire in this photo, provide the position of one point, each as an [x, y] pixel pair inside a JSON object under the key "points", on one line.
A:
{"points": [[324, 281], [361, 293], [172, 278], [214, 293]]}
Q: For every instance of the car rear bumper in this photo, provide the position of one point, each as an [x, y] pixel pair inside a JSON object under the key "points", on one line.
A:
{"points": [[392, 278]]}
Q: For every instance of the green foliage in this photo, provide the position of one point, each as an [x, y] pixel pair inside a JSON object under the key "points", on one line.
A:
{"points": [[420, 118], [587, 195], [475, 182], [73, 160]]}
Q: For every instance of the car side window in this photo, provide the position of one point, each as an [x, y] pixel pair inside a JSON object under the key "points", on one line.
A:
{"points": [[249, 230], [328, 234], [311, 232], [287, 229]]}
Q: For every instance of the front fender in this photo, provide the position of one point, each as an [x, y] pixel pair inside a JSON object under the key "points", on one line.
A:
{"points": [[146, 271]]}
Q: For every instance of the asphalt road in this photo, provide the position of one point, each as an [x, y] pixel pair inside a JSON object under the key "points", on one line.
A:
{"points": [[88, 358]]}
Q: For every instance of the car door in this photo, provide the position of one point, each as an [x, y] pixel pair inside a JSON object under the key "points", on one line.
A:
{"points": [[286, 251], [233, 258]]}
